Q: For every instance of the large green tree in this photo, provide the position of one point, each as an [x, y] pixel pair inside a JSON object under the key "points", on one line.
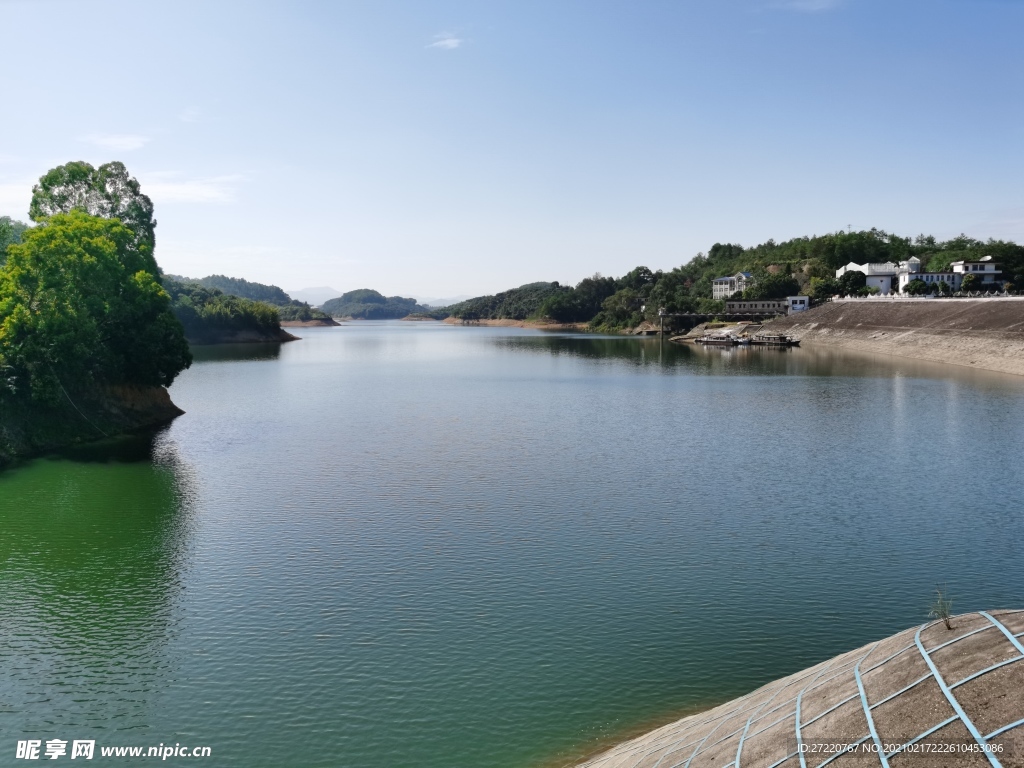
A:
{"points": [[108, 192], [80, 307]]}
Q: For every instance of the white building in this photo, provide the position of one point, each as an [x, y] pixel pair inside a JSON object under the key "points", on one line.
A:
{"points": [[952, 279], [798, 303], [880, 275], [984, 269], [724, 287], [890, 277]]}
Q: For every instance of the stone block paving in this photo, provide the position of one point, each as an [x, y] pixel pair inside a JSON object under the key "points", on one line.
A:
{"points": [[928, 697]]}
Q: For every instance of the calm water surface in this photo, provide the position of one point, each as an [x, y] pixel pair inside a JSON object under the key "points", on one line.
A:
{"points": [[404, 544]]}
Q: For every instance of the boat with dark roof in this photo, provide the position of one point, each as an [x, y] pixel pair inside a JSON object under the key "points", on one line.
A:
{"points": [[774, 340]]}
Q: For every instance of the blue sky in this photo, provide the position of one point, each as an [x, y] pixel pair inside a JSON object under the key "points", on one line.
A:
{"points": [[440, 148]]}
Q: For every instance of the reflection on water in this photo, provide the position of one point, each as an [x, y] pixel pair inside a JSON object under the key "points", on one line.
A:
{"points": [[397, 544], [813, 360], [90, 570], [205, 353]]}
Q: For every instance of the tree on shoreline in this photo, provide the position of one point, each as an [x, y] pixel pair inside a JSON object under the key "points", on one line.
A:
{"points": [[79, 307]]}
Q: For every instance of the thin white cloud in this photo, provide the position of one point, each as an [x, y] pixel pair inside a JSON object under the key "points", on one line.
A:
{"points": [[171, 188], [190, 114], [446, 41], [121, 142], [808, 6]]}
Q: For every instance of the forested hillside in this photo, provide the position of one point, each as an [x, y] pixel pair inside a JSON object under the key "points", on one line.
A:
{"points": [[516, 304], [366, 304], [237, 286], [801, 265], [287, 307], [210, 316]]}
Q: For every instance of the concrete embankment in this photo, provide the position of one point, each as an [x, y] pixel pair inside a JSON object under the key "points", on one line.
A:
{"points": [[928, 697], [982, 333]]}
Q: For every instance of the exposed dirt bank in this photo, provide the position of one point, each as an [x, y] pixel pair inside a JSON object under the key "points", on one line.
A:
{"points": [[244, 337], [942, 689], [520, 324], [981, 333], [28, 428], [324, 321]]}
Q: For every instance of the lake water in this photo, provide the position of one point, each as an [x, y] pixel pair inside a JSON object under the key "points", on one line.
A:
{"points": [[410, 544]]}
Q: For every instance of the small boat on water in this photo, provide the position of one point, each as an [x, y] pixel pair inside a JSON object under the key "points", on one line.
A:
{"points": [[725, 340], [774, 340]]}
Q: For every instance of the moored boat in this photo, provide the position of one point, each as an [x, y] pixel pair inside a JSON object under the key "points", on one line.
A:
{"points": [[775, 340], [727, 340]]}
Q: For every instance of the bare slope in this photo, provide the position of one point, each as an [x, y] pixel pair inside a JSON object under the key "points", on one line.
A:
{"points": [[983, 333], [927, 697]]}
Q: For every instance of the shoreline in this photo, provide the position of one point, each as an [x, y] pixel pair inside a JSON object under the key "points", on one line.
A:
{"points": [[749, 723], [31, 430], [505, 323], [244, 337], [584, 753], [328, 322]]}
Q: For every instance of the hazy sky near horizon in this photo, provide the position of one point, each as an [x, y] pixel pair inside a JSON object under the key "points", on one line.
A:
{"points": [[441, 148]]}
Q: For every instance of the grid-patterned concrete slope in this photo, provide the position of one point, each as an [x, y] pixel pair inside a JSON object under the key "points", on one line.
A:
{"points": [[925, 697], [982, 333]]}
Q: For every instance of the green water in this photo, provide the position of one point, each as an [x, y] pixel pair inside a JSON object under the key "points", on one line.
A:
{"points": [[404, 544]]}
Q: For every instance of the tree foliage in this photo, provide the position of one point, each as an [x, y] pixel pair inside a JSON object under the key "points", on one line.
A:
{"points": [[287, 307], [108, 192], [244, 289], [10, 234], [209, 314], [771, 286], [582, 303], [851, 283], [80, 306]]}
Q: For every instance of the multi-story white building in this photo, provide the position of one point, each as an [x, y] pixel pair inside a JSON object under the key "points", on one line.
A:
{"points": [[724, 287], [889, 277], [984, 269]]}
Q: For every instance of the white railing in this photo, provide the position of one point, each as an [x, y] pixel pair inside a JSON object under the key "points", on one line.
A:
{"points": [[929, 297]]}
